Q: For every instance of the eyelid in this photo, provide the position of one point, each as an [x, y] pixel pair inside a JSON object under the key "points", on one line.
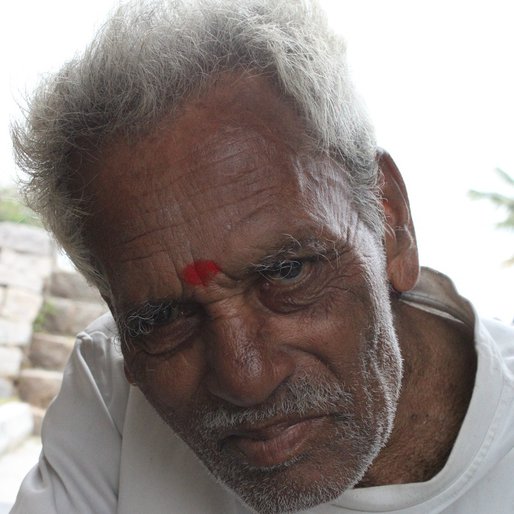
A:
{"points": [[284, 259], [143, 321], [275, 265], [168, 337], [271, 284], [272, 263]]}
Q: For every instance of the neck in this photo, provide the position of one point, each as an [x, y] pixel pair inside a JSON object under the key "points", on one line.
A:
{"points": [[439, 373]]}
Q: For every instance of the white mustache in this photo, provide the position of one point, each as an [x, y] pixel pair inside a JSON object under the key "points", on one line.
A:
{"points": [[301, 397]]}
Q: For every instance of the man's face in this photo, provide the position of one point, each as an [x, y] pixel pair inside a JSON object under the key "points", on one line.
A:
{"points": [[251, 299]]}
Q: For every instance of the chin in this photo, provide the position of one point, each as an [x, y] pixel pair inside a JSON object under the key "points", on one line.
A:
{"points": [[336, 453], [305, 482]]}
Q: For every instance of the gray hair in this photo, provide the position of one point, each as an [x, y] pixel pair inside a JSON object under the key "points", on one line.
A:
{"points": [[146, 61]]}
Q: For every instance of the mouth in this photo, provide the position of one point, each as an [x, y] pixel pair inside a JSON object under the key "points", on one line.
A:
{"points": [[275, 444]]}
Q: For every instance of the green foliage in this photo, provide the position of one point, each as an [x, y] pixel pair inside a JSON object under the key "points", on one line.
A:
{"points": [[506, 202], [47, 310], [12, 209]]}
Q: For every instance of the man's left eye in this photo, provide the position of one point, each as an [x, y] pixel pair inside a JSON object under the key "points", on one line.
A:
{"points": [[285, 270]]}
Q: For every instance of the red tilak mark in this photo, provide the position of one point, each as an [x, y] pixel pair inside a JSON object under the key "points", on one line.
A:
{"points": [[200, 273]]}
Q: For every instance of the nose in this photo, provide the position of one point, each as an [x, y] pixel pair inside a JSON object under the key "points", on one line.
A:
{"points": [[245, 364]]}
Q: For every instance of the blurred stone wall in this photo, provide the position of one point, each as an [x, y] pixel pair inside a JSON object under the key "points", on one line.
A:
{"points": [[42, 308], [26, 260]]}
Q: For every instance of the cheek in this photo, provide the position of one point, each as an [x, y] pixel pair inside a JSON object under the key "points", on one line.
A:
{"points": [[168, 382], [334, 330]]}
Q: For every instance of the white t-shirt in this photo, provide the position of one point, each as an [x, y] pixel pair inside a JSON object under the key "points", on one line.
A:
{"points": [[106, 450]]}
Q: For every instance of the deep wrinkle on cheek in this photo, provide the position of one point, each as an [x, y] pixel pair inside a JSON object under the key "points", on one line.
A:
{"points": [[200, 273]]}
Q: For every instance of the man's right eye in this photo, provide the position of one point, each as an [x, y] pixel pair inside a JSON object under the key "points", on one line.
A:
{"points": [[161, 329], [153, 316], [166, 314]]}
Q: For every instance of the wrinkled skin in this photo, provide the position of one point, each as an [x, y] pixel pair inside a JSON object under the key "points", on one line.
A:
{"points": [[284, 371]]}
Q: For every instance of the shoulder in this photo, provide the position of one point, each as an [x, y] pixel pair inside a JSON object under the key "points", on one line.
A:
{"points": [[501, 337], [98, 344], [96, 370], [502, 333], [82, 432]]}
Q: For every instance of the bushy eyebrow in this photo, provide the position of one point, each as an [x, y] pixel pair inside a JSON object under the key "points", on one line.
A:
{"points": [[136, 321], [311, 247]]}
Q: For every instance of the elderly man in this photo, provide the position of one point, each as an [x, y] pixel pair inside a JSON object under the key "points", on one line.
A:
{"points": [[272, 345]]}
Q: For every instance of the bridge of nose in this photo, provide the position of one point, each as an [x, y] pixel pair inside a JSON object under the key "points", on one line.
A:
{"points": [[245, 363]]}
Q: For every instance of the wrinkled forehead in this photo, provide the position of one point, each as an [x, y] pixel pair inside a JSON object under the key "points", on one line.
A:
{"points": [[241, 119], [238, 155]]}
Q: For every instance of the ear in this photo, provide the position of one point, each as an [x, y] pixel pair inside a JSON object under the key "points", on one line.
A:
{"points": [[128, 373], [400, 238]]}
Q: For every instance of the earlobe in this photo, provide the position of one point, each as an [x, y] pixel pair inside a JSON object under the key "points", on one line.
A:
{"points": [[400, 238]]}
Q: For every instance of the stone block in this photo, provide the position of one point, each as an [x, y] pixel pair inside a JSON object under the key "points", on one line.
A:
{"points": [[50, 351], [25, 238], [16, 424], [16, 333], [23, 270], [37, 415], [10, 361], [6, 388], [73, 285], [20, 304], [68, 317], [39, 387]]}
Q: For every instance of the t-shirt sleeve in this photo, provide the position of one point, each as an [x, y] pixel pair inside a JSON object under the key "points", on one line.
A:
{"points": [[78, 469]]}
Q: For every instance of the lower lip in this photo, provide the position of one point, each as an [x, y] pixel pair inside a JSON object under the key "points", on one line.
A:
{"points": [[282, 445]]}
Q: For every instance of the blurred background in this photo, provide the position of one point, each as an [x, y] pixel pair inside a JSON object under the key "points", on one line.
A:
{"points": [[437, 78]]}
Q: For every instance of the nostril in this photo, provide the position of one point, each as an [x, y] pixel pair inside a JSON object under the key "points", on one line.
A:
{"points": [[240, 377], [245, 362], [247, 374]]}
